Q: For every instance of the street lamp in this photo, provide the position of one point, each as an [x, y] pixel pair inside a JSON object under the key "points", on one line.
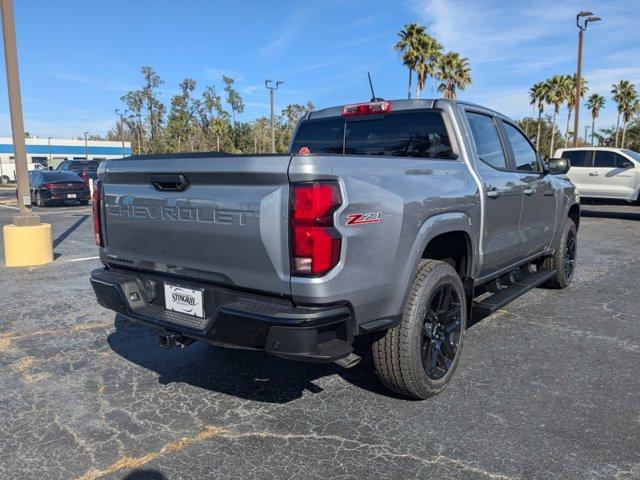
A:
{"points": [[272, 86], [121, 115], [586, 132], [86, 148], [49, 142], [581, 29]]}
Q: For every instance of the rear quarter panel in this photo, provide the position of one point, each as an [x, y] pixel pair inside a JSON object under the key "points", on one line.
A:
{"points": [[416, 199]]}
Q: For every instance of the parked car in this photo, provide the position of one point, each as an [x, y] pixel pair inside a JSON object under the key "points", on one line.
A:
{"points": [[49, 187], [602, 172], [86, 169], [389, 218]]}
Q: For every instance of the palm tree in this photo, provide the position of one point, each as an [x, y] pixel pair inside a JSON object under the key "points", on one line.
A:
{"points": [[595, 103], [429, 53], [409, 47], [631, 106], [454, 73], [571, 101], [538, 94], [558, 88], [619, 93]]}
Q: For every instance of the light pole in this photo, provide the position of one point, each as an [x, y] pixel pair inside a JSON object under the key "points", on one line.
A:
{"points": [[121, 115], [586, 130], [581, 29], [272, 87], [86, 148], [27, 242], [49, 142]]}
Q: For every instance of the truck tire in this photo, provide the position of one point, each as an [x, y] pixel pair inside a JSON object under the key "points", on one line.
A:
{"points": [[564, 259], [4, 179], [418, 357]]}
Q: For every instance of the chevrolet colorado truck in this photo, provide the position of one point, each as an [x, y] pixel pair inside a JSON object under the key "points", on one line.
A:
{"points": [[388, 218]]}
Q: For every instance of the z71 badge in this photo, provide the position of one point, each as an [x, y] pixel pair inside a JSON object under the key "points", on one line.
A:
{"points": [[363, 218]]}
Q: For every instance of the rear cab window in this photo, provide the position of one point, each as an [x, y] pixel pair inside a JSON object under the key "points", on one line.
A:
{"points": [[420, 134]]}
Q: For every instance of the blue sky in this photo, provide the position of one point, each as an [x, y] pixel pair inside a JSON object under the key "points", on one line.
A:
{"points": [[78, 57]]}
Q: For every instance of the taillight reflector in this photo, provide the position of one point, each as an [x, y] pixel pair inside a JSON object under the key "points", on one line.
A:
{"points": [[315, 242], [366, 108], [97, 221]]}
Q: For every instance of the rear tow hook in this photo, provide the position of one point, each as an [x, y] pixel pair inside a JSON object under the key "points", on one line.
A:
{"points": [[168, 340]]}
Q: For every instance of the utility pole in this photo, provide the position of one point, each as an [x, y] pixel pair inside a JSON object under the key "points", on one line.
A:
{"points": [[49, 142], [27, 242], [272, 87], [86, 148], [121, 115], [581, 29]]}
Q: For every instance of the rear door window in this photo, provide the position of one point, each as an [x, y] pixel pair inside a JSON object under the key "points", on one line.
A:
{"points": [[605, 159], [577, 158], [487, 140], [406, 134]]}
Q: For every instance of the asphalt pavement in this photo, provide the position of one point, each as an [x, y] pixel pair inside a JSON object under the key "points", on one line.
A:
{"points": [[549, 387]]}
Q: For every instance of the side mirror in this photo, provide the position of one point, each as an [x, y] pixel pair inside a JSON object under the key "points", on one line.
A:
{"points": [[50, 168], [558, 166]]}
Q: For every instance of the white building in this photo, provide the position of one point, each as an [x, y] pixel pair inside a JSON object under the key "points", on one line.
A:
{"points": [[52, 151]]}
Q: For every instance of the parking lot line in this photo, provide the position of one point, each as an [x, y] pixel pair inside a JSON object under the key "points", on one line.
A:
{"points": [[9, 206], [82, 259]]}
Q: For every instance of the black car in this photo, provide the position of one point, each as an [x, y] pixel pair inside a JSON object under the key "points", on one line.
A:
{"points": [[86, 169], [49, 187]]}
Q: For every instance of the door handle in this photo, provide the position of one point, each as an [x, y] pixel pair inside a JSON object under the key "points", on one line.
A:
{"points": [[494, 193], [169, 182], [529, 191], [593, 174]]}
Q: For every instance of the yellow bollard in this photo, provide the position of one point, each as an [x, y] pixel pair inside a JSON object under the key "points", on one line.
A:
{"points": [[28, 246]]}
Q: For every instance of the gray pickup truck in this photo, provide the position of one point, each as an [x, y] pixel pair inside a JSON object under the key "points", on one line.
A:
{"points": [[394, 219]]}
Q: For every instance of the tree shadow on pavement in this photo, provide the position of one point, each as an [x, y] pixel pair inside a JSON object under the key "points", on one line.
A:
{"points": [[246, 374]]}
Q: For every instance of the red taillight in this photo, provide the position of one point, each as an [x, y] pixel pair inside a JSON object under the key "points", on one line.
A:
{"points": [[366, 108], [97, 221], [315, 241], [84, 176], [49, 186]]}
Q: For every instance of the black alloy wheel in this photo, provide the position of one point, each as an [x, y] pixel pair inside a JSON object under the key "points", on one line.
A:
{"points": [[441, 331], [570, 254]]}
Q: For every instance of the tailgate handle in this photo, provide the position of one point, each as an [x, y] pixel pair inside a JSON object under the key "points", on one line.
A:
{"points": [[170, 182]]}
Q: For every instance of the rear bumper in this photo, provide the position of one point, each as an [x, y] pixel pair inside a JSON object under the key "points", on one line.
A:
{"points": [[232, 318]]}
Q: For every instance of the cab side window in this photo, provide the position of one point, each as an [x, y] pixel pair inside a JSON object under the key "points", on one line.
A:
{"points": [[487, 140], [524, 154], [577, 158], [604, 159]]}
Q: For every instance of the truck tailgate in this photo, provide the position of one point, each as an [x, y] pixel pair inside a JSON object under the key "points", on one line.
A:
{"points": [[228, 225]]}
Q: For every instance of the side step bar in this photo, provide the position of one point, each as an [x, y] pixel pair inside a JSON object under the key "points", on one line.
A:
{"points": [[506, 292]]}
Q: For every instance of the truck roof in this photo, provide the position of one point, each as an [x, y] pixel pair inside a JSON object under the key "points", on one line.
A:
{"points": [[400, 104]]}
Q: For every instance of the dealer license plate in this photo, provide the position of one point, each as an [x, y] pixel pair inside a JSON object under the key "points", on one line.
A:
{"points": [[183, 300]]}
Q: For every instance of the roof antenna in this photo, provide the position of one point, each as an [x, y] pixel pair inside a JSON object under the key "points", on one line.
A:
{"points": [[373, 95]]}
